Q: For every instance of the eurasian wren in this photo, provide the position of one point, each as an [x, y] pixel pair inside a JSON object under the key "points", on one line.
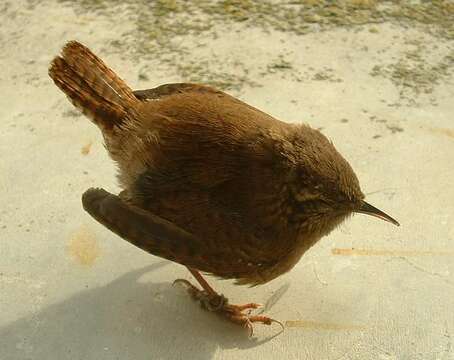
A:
{"points": [[208, 181]]}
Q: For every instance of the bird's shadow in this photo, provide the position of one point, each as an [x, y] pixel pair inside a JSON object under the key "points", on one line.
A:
{"points": [[125, 319]]}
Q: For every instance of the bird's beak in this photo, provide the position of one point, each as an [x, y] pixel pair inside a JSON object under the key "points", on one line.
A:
{"points": [[368, 209]]}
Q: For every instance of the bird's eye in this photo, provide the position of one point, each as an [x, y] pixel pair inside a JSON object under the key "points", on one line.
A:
{"points": [[314, 206]]}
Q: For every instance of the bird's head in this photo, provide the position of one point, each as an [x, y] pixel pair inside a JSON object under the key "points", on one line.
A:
{"points": [[325, 188]]}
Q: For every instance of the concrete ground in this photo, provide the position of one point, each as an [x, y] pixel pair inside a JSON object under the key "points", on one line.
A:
{"points": [[380, 87]]}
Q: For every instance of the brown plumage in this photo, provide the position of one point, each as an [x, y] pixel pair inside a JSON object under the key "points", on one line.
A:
{"points": [[209, 181]]}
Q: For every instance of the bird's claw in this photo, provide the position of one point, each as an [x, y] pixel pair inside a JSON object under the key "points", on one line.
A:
{"points": [[234, 313]]}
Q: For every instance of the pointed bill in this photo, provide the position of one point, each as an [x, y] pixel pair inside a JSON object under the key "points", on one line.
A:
{"points": [[368, 209]]}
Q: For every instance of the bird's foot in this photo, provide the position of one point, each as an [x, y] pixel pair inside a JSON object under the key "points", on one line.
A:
{"points": [[219, 303]]}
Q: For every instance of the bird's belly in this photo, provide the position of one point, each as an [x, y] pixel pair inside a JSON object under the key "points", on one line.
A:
{"points": [[233, 248], [286, 262]]}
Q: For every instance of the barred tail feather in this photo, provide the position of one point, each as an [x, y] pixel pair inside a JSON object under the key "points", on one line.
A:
{"points": [[91, 86]]}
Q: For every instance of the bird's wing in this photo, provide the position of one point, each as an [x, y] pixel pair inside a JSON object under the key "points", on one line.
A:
{"points": [[154, 234]]}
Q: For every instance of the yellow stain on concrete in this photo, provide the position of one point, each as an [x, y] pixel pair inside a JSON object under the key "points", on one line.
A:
{"points": [[83, 247], [383, 252]]}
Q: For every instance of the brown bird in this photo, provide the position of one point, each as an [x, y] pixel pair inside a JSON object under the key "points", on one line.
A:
{"points": [[209, 181]]}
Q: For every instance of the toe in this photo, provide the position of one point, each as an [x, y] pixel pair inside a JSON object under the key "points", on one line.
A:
{"points": [[246, 306]]}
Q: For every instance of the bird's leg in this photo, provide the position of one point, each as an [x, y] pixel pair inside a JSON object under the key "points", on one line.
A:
{"points": [[212, 301]]}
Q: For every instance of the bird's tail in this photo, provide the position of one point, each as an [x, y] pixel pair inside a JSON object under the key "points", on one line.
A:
{"points": [[91, 86]]}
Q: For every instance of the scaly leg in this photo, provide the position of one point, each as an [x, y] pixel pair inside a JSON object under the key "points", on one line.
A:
{"points": [[212, 301]]}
